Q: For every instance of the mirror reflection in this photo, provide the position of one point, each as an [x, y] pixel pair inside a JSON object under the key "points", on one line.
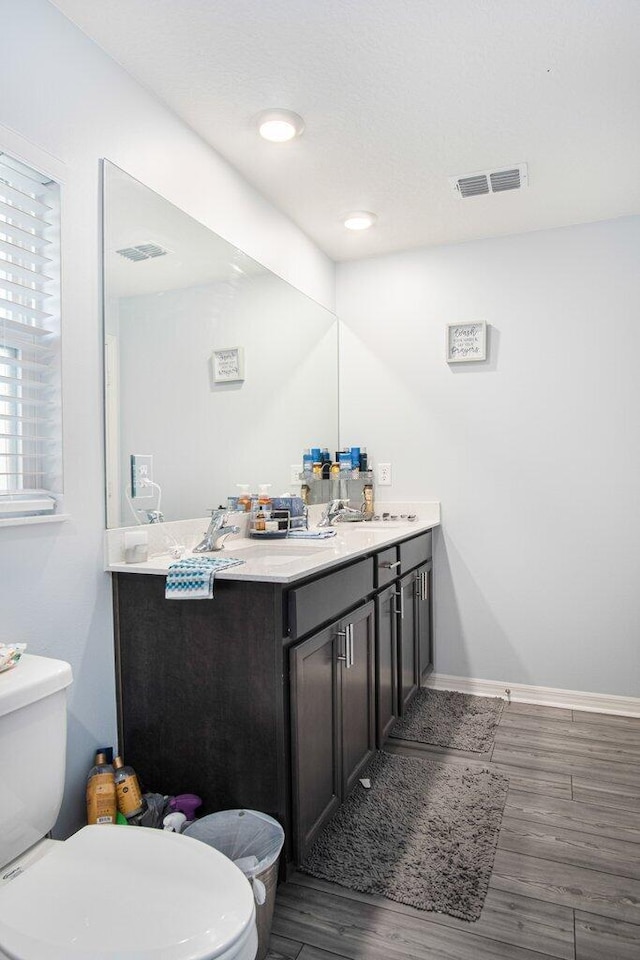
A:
{"points": [[217, 372]]}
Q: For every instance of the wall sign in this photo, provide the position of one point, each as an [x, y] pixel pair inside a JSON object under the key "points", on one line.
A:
{"points": [[228, 364], [466, 341]]}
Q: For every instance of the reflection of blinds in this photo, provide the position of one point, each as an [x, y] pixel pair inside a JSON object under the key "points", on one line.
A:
{"points": [[30, 431]]}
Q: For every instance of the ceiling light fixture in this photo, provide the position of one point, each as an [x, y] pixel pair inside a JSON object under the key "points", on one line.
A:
{"points": [[359, 220], [278, 126]]}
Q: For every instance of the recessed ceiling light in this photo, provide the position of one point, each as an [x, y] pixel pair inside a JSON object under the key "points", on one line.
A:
{"points": [[359, 220], [278, 126]]}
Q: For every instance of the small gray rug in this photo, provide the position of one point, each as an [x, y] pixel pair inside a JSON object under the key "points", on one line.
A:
{"points": [[424, 834], [448, 719]]}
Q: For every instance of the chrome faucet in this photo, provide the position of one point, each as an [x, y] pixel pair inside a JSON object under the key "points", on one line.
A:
{"points": [[216, 531], [338, 511], [153, 516]]}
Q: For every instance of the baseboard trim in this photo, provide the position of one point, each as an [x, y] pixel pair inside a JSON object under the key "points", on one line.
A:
{"points": [[545, 696]]}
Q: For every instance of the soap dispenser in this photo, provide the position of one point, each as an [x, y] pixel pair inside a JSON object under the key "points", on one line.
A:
{"points": [[244, 498], [264, 500]]}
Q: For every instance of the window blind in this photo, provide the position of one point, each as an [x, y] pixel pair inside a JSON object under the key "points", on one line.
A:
{"points": [[30, 393]]}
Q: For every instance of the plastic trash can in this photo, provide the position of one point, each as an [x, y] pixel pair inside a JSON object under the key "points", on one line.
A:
{"points": [[253, 841]]}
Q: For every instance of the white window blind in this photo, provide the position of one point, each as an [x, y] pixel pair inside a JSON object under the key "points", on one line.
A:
{"points": [[30, 392]]}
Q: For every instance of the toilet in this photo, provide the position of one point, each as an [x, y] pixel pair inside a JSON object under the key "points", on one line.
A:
{"points": [[126, 893]]}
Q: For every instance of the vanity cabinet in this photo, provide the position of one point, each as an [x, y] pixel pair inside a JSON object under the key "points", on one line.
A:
{"points": [[272, 696], [333, 718], [386, 663], [408, 647], [424, 618], [404, 631]]}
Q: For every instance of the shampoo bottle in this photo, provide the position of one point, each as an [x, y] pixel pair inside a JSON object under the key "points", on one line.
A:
{"points": [[102, 806], [129, 794]]}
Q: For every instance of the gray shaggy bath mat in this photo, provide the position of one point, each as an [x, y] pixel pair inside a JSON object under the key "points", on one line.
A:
{"points": [[448, 719], [424, 834]]}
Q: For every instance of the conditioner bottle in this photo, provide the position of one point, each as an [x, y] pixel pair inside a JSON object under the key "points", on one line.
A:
{"points": [[130, 801], [102, 805]]}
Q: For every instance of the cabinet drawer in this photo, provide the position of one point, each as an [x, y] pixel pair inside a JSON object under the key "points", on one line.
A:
{"points": [[328, 597], [387, 566], [414, 552]]}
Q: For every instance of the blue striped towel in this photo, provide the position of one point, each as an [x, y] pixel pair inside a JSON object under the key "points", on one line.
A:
{"points": [[192, 579], [311, 534]]}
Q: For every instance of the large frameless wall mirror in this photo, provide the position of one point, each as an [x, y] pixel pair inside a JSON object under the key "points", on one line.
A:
{"points": [[217, 369]]}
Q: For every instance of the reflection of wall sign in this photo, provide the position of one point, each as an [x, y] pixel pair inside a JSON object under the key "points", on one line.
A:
{"points": [[466, 341], [228, 365]]}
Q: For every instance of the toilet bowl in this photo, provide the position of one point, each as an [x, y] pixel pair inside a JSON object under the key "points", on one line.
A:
{"points": [[108, 892]]}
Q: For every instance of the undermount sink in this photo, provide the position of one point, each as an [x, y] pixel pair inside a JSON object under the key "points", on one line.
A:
{"points": [[377, 525], [276, 552]]}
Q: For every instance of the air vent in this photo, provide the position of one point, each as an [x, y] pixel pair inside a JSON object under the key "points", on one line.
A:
{"points": [[144, 251], [490, 181]]}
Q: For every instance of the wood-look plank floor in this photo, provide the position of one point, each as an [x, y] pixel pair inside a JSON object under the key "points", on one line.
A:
{"points": [[566, 878]]}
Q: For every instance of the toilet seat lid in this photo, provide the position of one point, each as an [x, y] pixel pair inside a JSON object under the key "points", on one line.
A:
{"points": [[129, 892]]}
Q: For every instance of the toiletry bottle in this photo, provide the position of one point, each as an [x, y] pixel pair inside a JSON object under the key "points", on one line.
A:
{"points": [[364, 460], [264, 500], [326, 463], [128, 792], [307, 464], [367, 499], [344, 459], [334, 485], [102, 805], [244, 499]]}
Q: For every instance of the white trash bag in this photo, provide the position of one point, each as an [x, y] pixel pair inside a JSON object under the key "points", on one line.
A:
{"points": [[251, 839]]}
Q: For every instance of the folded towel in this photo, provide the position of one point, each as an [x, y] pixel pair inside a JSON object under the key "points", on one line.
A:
{"points": [[310, 534], [192, 579]]}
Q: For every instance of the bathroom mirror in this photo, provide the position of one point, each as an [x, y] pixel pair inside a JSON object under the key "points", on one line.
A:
{"points": [[217, 369]]}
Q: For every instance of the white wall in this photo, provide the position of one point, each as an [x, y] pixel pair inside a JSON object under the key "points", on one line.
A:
{"points": [[66, 97], [534, 454], [249, 432]]}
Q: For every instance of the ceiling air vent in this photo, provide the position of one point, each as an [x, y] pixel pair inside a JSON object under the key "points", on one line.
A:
{"points": [[490, 181], [144, 251]]}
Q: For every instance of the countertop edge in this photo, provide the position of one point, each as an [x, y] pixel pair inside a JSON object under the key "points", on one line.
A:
{"points": [[313, 564]]}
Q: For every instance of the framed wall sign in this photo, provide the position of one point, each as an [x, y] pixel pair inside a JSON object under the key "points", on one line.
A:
{"points": [[466, 341], [228, 364]]}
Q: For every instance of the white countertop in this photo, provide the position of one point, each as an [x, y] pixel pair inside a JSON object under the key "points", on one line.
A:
{"points": [[283, 561]]}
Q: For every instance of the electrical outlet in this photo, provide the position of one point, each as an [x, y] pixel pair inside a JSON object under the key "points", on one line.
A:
{"points": [[296, 470], [141, 471], [384, 474]]}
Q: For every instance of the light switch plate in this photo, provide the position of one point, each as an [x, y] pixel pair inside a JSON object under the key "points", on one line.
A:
{"points": [[141, 470]]}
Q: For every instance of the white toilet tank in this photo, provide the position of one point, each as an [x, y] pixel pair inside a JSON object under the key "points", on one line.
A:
{"points": [[33, 741]]}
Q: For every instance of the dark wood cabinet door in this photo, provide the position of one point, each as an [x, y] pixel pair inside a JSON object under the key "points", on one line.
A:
{"points": [[386, 664], [424, 624], [315, 714], [408, 667], [358, 694]]}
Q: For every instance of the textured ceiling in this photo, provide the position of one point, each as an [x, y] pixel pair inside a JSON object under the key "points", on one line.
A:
{"points": [[397, 96]]}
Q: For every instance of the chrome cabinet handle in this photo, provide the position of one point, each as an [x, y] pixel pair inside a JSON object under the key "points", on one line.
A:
{"points": [[347, 633], [345, 656], [390, 566], [400, 593], [424, 586]]}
